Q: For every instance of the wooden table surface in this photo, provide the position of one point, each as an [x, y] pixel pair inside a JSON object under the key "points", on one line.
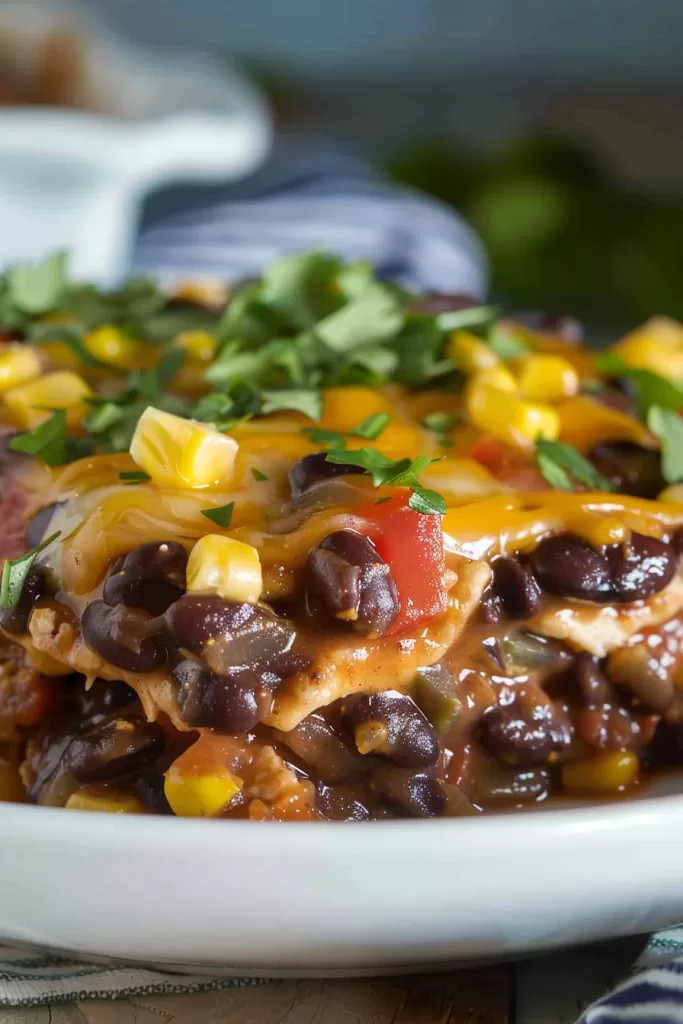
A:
{"points": [[545, 990]]}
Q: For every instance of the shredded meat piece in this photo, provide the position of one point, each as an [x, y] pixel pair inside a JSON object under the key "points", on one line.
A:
{"points": [[26, 697]]}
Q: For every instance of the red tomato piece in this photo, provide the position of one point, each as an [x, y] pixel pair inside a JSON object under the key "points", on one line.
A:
{"points": [[412, 546]]}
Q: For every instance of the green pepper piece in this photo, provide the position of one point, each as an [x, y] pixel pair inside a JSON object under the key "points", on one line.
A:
{"points": [[439, 704]]}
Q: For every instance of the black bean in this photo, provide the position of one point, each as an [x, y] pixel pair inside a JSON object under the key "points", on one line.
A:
{"points": [[569, 566], [342, 803], [631, 468], [149, 788], [594, 687], [521, 736], [36, 528], [391, 725], [114, 750], [519, 593], [566, 327], [325, 755], [227, 703], [314, 469], [102, 699], [416, 794], [347, 579], [491, 606], [125, 637], [638, 670], [36, 586], [231, 636], [151, 577], [641, 568]]}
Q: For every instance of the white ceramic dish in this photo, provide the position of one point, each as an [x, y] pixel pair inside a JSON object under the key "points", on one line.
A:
{"points": [[337, 899], [74, 179]]}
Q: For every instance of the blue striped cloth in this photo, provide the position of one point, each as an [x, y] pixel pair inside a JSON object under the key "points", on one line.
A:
{"points": [[311, 194]]}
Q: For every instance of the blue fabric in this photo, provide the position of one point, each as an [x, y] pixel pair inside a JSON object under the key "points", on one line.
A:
{"points": [[311, 194]]}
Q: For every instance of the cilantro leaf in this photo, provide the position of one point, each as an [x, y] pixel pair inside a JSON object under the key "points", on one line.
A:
{"points": [[257, 474], [329, 437], [561, 464], [505, 344], [650, 388], [213, 408], [372, 426], [15, 572], [373, 316], [427, 502], [134, 476], [152, 382], [103, 417], [310, 403], [441, 422], [668, 426], [302, 287], [461, 319], [378, 360], [47, 441], [38, 289], [221, 516]]}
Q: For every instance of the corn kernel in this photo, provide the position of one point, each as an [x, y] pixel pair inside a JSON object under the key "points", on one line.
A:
{"points": [[656, 346], [18, 364], [498, 377], [58, 354], [546, 378], [181, 453], [203, 293], [111, 346], [470, 353], [345, 408], [509, 418], [199, 345], [200, 796], [104, 800], [608, 772], [224, 566], [673, 494], [29, 405]]}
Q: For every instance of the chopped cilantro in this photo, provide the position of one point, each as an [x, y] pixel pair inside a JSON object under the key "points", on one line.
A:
{"points": [[668, 426], [257, 474], [327, 437], [310, 403], [427, 502], [561, 465], [221, 516], [394, 473], [134, 476], [371, 317], [461, 319], [505, 344], [372, 426], [15, 572], [38, 289], [48, 441], [441, 422], [650, 388]]}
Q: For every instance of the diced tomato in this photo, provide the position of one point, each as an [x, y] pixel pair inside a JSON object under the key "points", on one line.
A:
{"points": [[412, 546], [512, 466]]}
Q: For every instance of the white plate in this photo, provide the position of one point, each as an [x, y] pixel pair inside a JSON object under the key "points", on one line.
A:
{"points": [[75, 180], [337, 899]]}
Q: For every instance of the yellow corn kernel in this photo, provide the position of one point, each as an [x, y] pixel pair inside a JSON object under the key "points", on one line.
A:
{"points": [[470, 353], [199, 345], [106, 800], [609, 772], [673, 494], [505, 416], [58, 354], [345, 408], [460, 480], [18, 364], [200, 796], [498, 377], [111, 346], [181, 453], [546, 378], [224, 566], [203, 293], [656, 346], [29, 405]]}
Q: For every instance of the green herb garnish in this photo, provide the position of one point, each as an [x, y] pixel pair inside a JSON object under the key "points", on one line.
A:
{"points": [[38, 289], [562, 465], [441, 422], [15, 572], [257, 474], [462, 319], [394, 473], [48, 441], [310, 403], [650, 388], [505, 344], [134, 476], [668, 426], [331, 438], [221, 516], [372, 426]]}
